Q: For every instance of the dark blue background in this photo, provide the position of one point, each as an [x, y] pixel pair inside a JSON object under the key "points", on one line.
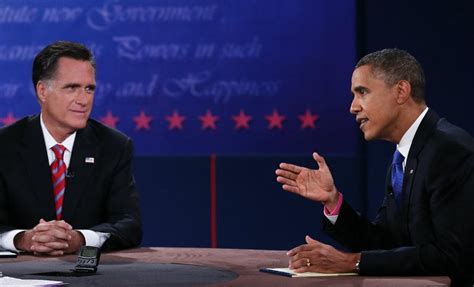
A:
{"points": [[311, 47], [296, 53]]}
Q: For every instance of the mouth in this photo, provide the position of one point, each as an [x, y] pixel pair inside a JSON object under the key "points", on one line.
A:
{"points": [[362, 122], [79, 112]]}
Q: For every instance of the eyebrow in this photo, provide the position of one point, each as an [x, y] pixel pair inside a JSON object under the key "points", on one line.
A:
{"points": [[71, 85], [360, 88], [75, 85]]}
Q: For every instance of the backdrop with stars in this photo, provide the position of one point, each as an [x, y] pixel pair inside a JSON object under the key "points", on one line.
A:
{"points": [[199, 77]]}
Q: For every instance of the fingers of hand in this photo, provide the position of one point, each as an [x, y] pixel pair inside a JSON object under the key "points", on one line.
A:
{"points": [[63, 224], [286, 181], [310, 240], [290, 167], [59, 229], [320, 160], [286, 174], [42, 249], [301, 264], [57, 245], [54, 234], [47, 225], [301, 269], [303, 256], [45, 244], [299, 249], [293, 189]]}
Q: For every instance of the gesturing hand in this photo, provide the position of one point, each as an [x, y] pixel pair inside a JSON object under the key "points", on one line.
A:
{"points": [[314, 184]]}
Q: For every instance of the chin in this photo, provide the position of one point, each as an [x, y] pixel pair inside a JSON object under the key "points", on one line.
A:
{"points": [[79, 125], [368, 136]]}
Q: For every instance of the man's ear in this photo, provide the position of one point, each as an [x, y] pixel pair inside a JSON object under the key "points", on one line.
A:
{"points": [[41, 91], [403, 91]]}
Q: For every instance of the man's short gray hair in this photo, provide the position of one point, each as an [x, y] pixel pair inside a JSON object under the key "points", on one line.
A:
{"points": [[393, 65]]}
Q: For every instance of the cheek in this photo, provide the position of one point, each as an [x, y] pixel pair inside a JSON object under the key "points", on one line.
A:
{"points": [[91, 100], [375, 109]]}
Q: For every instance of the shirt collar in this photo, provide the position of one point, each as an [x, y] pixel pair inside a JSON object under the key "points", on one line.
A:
{"points": [[49, 141], [407, 139]]}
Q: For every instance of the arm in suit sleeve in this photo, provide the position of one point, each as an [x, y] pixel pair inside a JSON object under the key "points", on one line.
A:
{"points": [[3, 208], [122, 209], [441, 241], [356, 232]]}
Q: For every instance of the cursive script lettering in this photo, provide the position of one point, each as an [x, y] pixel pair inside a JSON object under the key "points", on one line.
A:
{"points": [[102, 18], [8, 90], [63, 14], [200, 85], [22, 14], [130, 47], [18, 53], [137, 89]]}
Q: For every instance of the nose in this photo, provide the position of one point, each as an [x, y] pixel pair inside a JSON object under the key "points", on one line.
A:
{"points": [[82, 97], [355, 106]]}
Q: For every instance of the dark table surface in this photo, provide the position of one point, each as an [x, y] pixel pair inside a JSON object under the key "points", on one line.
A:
{"points": [[190, 267]]}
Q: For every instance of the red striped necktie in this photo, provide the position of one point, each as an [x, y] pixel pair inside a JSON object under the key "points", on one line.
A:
{"points": [[58, 176]]}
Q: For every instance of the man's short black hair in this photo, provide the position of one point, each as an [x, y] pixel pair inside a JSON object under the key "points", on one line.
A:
{"points": [[393, 65], [46, 62]]}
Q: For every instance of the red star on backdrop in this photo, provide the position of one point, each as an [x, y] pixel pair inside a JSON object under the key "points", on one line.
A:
{"points": [[308, 119], [208, 121], [109, 120], [176, 121], [275, 120], [142, 121], [8, 120], [242, 120]]}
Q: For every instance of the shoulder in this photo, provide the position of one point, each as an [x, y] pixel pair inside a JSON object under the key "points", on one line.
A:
{"points": [[449, 153], [451, 138], [15, 132]]}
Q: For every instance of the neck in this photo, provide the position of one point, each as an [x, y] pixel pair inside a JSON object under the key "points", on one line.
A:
{"points": [[60, 134], [406, 118]]}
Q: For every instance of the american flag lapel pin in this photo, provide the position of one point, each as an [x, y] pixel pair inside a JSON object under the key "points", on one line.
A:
{"points": [[89, 160]]}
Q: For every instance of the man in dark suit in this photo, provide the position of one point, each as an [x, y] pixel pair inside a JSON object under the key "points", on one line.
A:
{"points": [[66, 180], [424, 226]]}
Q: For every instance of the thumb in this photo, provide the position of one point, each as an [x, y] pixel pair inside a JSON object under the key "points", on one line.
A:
{"points": [[319, 160], [310, 240]]}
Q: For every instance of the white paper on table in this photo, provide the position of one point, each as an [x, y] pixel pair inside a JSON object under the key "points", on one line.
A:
{"points": [[10, 281]]}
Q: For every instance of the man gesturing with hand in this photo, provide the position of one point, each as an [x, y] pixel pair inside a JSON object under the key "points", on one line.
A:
{"points": [[317, 185], [423, 226]]}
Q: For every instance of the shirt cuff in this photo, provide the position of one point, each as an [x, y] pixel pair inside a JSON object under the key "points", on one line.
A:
{"points": [[7, 239], [94, 238], [332, 215]]}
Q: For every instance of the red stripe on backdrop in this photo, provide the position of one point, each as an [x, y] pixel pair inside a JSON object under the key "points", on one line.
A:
{"points": [[213, 202]]}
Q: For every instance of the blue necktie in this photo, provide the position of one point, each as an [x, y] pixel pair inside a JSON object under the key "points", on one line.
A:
{"points": [[397, 175]]}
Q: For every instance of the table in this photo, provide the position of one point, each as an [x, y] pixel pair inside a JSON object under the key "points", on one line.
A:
{"points": [[192, 266]]}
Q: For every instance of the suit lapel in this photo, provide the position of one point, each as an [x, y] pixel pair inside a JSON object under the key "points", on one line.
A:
{"points": [[80, 170], [425, 129], [34, 156]]}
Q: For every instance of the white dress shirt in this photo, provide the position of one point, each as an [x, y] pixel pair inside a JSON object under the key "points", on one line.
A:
{"points": [[92, 238]]}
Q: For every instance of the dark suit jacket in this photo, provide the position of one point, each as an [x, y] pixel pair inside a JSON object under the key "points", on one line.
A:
{"points": [[100, 196], [433, 230]]}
